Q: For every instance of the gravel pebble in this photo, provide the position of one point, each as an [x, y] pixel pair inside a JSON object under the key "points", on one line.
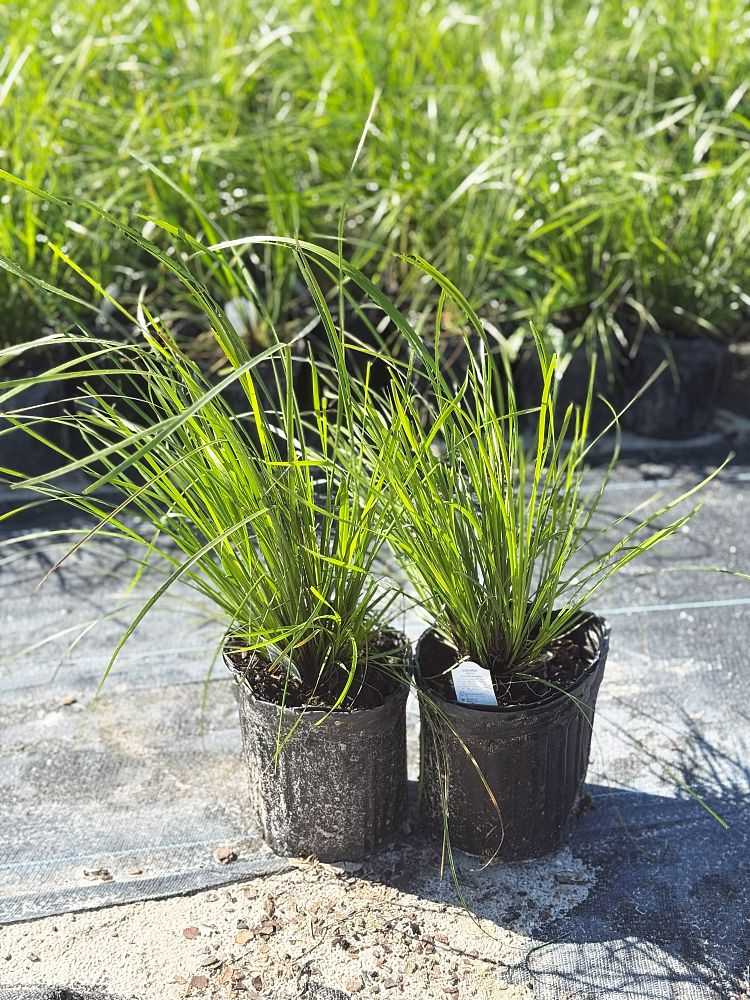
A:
{"points": [[310, 924]]}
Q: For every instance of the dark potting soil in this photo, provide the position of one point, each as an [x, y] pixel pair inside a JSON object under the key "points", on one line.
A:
{"points": [[565, 660], [369, 689]]}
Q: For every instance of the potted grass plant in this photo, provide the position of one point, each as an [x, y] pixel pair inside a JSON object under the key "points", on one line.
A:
{"points": [[498, 536], [689, 300], [252, 511], [321, 677], [501, 539]]}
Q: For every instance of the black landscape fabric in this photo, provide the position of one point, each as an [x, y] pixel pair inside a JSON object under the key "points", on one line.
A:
{"points": [[128, 796]]}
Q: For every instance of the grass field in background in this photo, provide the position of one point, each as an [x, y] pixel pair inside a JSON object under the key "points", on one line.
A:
{"points": [[580, 164]]}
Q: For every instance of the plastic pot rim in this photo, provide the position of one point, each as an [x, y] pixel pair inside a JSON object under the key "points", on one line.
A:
{"points": [[484, 712], [354, 718]]}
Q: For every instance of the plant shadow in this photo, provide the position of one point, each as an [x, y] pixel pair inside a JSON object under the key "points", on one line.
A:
{"points": [[649, 900]]}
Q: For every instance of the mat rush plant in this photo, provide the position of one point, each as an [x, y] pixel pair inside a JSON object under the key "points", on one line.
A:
{"points": [[499, 537], [277, 517], [510, 146], [281, 541]]}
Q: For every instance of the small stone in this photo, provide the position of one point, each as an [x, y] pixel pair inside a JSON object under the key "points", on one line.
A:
{"points": [[191, 933], [33, 957], [354, 985], [570, 878], [243, 937], [98, 874], [134, 871], [225, 854], [199, 982], [69, 699]]}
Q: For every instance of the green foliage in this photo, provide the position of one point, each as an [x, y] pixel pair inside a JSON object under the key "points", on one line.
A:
{"points": [[498, 534], [271, 530], [562, 162]]}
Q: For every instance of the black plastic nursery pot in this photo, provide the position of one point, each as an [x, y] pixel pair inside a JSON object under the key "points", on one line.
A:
{"points": [[573, 388], [681, 402], [338, 787], [531, 759]]}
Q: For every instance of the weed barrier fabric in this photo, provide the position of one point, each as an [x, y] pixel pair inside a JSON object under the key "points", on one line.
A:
{"points": [[54, 886], [667, 916], [145, 769], [124, 797], [55, 993]]}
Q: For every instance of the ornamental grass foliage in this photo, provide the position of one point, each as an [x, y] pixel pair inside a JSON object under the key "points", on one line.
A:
{"points": [[232, 501], [278, 513], [578, 165], [497, 522]]}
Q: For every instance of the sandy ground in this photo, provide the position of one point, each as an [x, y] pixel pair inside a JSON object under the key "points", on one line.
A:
{"points": [[392, 928]]}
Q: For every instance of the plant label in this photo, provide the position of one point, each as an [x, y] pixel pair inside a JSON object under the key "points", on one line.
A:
{"points": [[473, 684]]}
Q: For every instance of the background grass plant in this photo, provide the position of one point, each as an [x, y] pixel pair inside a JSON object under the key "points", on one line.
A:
{"points": [[557, 161]]}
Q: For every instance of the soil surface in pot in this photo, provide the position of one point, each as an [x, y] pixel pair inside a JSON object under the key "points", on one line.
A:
{"points": [[369, 688], [566, 659]]}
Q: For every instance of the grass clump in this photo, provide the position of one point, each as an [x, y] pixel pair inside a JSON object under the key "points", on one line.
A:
{"points": [[497, 530], [497, 533], [554, 160], [244, 503]]}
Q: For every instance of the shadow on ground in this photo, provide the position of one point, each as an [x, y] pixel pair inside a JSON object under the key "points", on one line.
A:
{"points": [[651, 900]]}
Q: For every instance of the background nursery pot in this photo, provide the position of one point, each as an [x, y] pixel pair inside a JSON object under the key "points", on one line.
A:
{"points": [[338, 790], [682, 401], [533, 757]]}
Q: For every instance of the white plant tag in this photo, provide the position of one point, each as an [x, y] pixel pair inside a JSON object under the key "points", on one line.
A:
{"points": [[473, 684]]}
